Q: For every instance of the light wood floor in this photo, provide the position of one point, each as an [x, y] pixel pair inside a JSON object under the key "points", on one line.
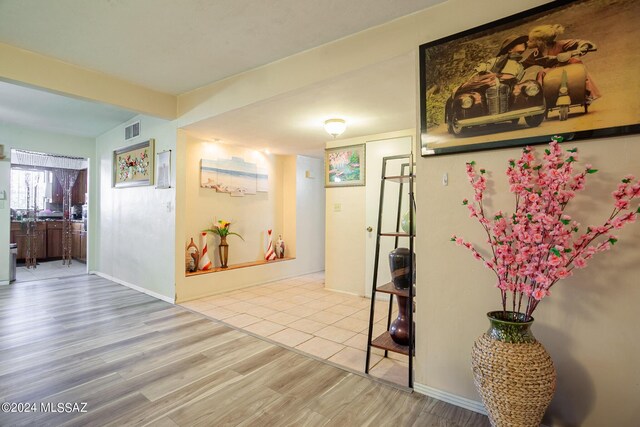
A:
{"points": [[135, 360]]}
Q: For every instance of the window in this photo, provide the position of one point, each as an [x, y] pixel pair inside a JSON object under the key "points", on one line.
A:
{"points": [[35, 182]]}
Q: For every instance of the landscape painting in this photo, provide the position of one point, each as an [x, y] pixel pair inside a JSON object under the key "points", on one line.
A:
{"points": [[344, 166], [233, 176]]}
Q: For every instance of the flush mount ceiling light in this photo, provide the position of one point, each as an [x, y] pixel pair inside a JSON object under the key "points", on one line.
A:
{"points": [[335, 127]]}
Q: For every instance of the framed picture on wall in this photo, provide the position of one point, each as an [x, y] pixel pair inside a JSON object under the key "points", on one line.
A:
{"points": [[565, 68], [163, 169], [344, 166], [133, 165]]}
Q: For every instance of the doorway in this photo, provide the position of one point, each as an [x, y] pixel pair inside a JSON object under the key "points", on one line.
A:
{"points": [[376, 151], [49, 210]]}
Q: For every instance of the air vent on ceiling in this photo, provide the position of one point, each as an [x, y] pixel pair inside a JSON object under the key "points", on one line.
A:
{"points": [[132, 131]]}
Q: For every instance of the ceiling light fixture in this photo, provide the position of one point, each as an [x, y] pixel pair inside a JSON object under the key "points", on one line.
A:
{"points": [[335, 127]]}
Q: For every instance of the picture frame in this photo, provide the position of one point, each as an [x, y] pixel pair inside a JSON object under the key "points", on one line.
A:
{"points": [[477, 87], [163, 169], [345, 166], [133, 165]]}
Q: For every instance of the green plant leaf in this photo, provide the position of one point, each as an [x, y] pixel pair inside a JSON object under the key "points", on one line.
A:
{"points": [[554, 251], [592, 170], [626, 181], [565, 221], [613, 240], [236, 234], [547, 151], [573, 150], [512, 163]]}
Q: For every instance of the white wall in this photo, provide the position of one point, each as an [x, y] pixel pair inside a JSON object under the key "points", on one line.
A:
{"points": [[5, 221], [12, 136], [345, 235], [136, 225], [310, 213], [293, 204]]}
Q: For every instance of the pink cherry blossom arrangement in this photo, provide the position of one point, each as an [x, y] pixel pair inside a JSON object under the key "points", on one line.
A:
{"points": [[536, 246]]}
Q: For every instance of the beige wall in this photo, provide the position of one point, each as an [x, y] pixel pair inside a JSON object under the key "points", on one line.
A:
{"points": [[33, 69], [135, 241], [588, 324], [287, 208]]}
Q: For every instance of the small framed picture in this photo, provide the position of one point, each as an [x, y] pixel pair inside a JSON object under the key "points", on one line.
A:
{"points": [[344, 166], [133, 165], [163, 169]]}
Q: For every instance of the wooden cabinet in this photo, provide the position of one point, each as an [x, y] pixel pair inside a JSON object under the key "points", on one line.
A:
{"points": [[78, 242], [83, 246], [56, 191], [18, 234], [54, 239], [77, 191], [79, 188]]}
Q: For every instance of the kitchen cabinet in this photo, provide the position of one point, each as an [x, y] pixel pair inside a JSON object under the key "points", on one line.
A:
{"points": [[18, 234], [56, 191], [77, 191], [54, 239], [78, 242]]}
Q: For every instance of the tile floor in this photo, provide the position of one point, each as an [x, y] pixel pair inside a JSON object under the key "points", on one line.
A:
{"points": [[49, 270], [300, 313]]}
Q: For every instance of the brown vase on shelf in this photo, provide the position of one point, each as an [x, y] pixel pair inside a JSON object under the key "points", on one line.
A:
{"points": [[223, 251], [399, 260], [192, 257], [399, 328]]}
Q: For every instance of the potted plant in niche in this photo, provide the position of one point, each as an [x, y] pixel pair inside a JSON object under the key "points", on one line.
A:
{"points": [[531, 250], [221, 228]]}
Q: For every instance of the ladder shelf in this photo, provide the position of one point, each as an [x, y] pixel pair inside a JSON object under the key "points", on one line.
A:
{"points": [[385, 341]]}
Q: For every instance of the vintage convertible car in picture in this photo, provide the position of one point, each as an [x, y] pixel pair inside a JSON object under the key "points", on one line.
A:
{"points": [[489, 98]]}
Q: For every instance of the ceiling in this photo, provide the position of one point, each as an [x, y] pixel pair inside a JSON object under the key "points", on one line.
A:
{"points": [[50, 112], [174, 46], [377, 99]]}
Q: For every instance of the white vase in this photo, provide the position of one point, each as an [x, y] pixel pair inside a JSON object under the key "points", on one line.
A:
{"points": [[280, 247], [205, 262], [270, 254]]}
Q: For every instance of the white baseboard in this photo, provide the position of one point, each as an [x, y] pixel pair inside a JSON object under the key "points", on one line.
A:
{"points": [[134, 287], [472, 405], [4, 282]]}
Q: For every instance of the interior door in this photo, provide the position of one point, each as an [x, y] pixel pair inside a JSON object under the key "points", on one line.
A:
{"points": [[376, 151]]}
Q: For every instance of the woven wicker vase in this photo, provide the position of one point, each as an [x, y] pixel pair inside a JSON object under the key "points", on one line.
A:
{"points": [[512, 371]]}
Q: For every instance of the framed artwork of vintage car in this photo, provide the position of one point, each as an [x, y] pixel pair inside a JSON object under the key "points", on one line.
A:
{"points": [[565, 68]]}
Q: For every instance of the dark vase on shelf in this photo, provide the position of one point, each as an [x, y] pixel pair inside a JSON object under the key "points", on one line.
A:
{"points": [[399, 263], [399, 329], [223, 250]]}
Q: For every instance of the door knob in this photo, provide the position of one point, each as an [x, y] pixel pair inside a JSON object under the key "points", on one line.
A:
{"points": [[369, 229]]}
